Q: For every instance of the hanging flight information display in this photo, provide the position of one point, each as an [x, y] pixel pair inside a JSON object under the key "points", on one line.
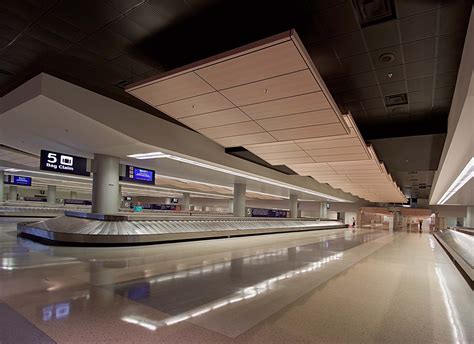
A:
{"points": [[18, 180], [139, 175]]}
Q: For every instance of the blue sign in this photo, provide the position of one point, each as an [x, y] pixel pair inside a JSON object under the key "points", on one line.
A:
{"points": [[19, 180], [139, 175]]}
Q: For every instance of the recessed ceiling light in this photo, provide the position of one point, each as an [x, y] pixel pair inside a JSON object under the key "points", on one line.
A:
{"points": [[386, 58]]}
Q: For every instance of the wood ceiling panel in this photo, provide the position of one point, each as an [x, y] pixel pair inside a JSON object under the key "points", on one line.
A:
{"points": [[352, 134], [209, 102], [269, 62], [358, 172], [337, 151], [270, 89], [299, 120], [283, 155], [329, 143], [218, 118], [316, 175], [269, 98], [172, 89], [288, 106], [273, 147], [286, 161], [232, 130], [311, 167], [250, 139], [312, 131], [340, 157]]}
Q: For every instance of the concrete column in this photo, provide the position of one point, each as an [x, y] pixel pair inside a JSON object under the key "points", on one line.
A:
{"points": [[323, 210], [73, 195], [2, 185], [105, 184], [13, 195], [231, 206], [51, 194], [470, 217], [293, 206], [239, 199], [186, 201]]}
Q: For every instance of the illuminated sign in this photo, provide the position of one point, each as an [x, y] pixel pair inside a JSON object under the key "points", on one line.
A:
{"points": [[63, 163], [18, 180], [139, 175]]}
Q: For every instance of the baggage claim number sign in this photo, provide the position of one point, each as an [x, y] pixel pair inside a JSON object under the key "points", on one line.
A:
{"points": [[63, 163]]}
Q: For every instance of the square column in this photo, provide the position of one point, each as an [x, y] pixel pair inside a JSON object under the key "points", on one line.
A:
{"points": [[239, 199]]}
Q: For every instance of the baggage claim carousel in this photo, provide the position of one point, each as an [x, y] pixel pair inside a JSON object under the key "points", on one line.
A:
{"points": [[86, 229]]}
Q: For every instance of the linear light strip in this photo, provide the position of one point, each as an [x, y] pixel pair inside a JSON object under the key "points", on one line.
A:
{"points": [[466, 174], [220, 186], [159, 155], [86, 180]]}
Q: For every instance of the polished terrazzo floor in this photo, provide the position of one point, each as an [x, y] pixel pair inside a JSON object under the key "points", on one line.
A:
{"points": [[332, 286]]}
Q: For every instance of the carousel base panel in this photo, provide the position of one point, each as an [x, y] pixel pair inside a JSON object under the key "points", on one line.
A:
{"points": [[109, 230]]}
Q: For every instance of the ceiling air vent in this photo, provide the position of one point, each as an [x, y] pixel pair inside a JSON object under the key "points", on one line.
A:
{"points": [[374, 11], [122, 84], [396, 99]]}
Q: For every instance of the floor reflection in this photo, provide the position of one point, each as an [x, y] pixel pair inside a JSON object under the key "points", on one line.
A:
{"points": [[216, 285]]}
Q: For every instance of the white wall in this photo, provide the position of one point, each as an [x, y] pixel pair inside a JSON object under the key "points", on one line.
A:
{"points": [[348, 217]]}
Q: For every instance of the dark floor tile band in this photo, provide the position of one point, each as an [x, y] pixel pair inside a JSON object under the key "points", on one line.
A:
{"points": [[15, 329]]}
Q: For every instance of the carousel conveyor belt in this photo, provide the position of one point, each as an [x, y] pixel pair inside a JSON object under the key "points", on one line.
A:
{"points": [[86, 231]]}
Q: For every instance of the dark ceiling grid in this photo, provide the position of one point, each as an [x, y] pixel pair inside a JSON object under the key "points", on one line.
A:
{"points": [[412, 39]]}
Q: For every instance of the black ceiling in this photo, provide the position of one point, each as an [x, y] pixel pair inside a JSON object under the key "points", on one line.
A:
{"points": [[104, 45]]}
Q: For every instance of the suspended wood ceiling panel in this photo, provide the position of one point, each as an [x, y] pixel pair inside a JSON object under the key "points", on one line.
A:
{"points": [[367, 179], [265, 92], [347, 147]]}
